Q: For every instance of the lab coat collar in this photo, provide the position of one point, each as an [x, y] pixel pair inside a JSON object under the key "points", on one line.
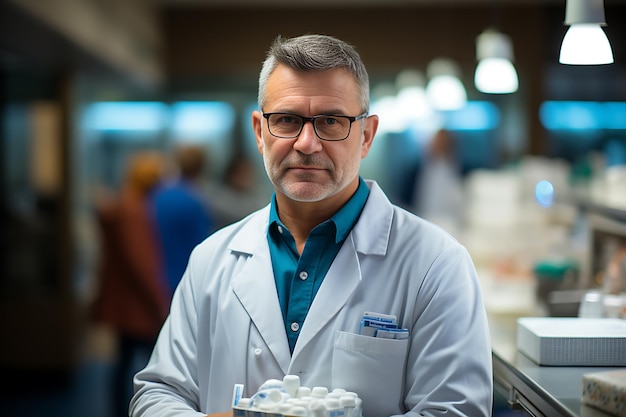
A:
{"points": [[372, 231], [370, 234]]}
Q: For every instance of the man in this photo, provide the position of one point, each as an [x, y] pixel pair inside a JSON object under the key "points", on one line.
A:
{"points": [[283, 291]]}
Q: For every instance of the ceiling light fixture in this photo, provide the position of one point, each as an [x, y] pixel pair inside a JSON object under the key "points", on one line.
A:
{"points": [[444, 90], [585, 43], [495, 73], [411, 99]]}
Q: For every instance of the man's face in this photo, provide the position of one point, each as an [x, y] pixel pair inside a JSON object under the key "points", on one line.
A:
{"points": [[306, 168]]}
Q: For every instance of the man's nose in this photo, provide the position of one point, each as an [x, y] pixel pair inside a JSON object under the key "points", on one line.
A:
{"points": [[308, 141]]}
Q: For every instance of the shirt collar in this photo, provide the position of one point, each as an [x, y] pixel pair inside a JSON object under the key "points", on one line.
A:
{"points": [[344, 220]]}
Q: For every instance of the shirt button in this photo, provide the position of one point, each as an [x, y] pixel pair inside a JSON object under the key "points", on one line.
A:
{"points": [[258, 351], [295, 326], [280, 230], [303, 275]]}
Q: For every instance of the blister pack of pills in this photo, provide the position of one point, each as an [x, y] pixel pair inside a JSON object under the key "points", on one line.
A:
{"points": [[287, 398]]}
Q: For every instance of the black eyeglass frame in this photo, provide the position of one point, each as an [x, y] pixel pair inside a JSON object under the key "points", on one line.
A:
{"points": [[306, 119]]}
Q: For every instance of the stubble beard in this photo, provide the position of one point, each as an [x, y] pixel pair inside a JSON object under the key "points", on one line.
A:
{"points": [[306, 188]]}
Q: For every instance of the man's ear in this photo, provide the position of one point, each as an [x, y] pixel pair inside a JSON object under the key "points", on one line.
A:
{"points": [[257, 126], [369, 132]]}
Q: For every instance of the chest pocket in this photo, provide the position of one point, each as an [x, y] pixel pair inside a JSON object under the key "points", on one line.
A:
{"points": [[373, 368]]}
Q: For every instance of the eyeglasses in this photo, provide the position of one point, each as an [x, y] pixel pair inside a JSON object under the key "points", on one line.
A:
{"points": [[327, 127]]}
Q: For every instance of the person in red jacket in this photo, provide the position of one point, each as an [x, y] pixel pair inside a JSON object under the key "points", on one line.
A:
{"points": [[133, 298]]}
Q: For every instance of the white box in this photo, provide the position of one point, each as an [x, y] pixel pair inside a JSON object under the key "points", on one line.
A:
{"points": [[572, 341]]}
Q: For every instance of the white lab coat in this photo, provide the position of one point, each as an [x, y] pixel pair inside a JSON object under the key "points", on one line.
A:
{"points": [[225, 326]]}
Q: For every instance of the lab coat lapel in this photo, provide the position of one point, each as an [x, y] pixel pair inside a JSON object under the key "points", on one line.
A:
{"points": [[256, 290], [340, 282]]}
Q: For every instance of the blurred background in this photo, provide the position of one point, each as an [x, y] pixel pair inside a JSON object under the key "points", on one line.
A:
{"points": [[534, 179]]}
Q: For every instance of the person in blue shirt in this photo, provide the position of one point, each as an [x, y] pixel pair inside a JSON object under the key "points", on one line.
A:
{"points": [[183, 216], [283, 291]]}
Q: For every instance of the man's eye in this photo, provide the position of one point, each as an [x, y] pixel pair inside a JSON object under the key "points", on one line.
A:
{"points": [[330, 121], [287, 119]]}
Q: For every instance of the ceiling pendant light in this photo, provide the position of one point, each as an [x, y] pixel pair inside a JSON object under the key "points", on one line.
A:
{"points": [[444, 90], [495, 73], [411, 99], [585, 43]]}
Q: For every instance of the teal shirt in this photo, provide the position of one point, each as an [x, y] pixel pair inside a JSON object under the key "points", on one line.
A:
{"points": [[299, 277]]}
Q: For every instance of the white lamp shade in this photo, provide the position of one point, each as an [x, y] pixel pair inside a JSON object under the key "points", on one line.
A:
{"points": [[496, 76], [585, 44], [444, 90], [413, 104], [495, 73], [411, 98]]}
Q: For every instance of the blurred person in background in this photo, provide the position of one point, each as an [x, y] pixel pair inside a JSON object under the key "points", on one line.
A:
{"points": [[238, 194], [132, 298], [183, 215], [438, 195]]}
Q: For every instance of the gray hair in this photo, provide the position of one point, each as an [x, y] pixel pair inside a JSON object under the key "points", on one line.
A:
{"points": [[315, 53]]}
